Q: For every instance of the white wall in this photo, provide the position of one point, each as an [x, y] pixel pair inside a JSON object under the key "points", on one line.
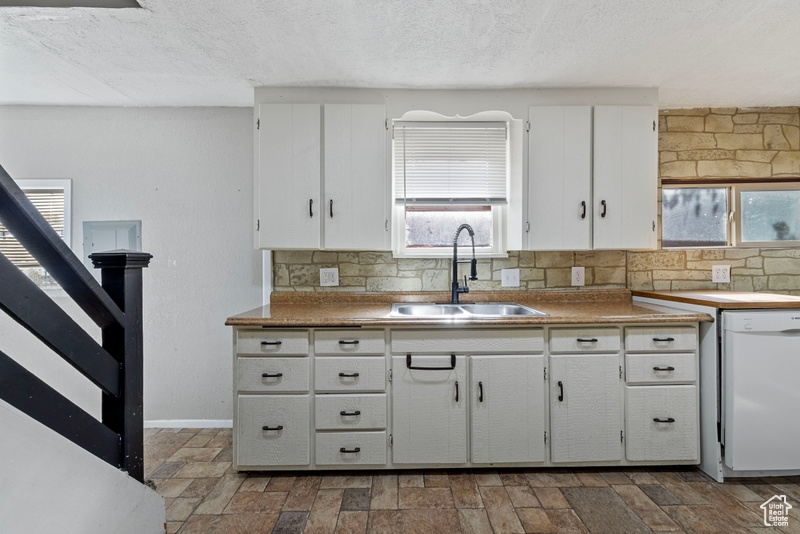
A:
{"points": [[187, 173]]}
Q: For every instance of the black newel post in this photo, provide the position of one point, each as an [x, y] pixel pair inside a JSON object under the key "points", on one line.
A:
{"points": [[122, 280]]}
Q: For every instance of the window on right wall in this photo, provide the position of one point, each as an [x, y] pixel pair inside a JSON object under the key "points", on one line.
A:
{"points": [[762, 214]]}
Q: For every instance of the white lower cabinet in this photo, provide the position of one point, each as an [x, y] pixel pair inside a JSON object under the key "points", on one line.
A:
{"points": [[507, 402], [272, 430], [351, 448], [429, 400], [661, 423]]}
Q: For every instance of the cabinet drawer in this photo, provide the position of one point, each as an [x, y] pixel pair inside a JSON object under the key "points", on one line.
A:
{"points": [[674, 436], [669, 368], [676, 338], [286, 441], [577, 340], [339, 448], [350, 412], [272, 342], [344, 342], [470, 341], [360, 373], [251, 374]]}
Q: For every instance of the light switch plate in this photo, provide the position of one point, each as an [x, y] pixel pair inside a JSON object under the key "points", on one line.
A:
{"points": [[329, 277], [578, 276], [721, 274], [509, 277]]}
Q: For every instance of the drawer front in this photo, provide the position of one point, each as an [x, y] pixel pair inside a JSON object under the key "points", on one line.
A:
{"points": [[359, 373], [351, 448], [286, 441], [577, 340], [285, 375], [674, 436], [349, 342], [350, 412], [641, 339], [264, 342], [497, 340], [668, 368]]}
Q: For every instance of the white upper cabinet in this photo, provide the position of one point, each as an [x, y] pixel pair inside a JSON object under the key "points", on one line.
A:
{"points": [[321, 177], [288, 176], [560, 178], [355, 183], [625, 177]]}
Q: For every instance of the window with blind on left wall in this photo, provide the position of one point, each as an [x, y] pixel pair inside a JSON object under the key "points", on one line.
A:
{"points": [[52, 197]]}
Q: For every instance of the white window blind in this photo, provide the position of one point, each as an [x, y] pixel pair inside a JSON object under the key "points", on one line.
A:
{"points": [[450, 162], [50, 204]]}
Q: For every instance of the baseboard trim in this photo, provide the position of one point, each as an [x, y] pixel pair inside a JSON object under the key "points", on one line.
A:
{"points": [[189, 423]]}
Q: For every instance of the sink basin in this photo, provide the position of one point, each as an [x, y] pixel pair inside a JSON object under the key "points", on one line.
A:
{"points": [[463, 311]]}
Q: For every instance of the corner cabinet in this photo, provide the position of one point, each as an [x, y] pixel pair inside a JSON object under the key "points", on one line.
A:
{"points": [[321, 177], [590, 169]]}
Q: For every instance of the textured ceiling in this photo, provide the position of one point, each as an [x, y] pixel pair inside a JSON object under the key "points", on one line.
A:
{"points": [[203, 53]]}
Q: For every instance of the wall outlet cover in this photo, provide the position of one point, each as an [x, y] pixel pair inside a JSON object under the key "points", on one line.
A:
{"points": [[329, 277], [510, 277], [721, 274], [578, 276]]}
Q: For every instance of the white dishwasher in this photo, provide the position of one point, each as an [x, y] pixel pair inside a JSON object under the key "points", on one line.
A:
{"points": [[761, 389]]}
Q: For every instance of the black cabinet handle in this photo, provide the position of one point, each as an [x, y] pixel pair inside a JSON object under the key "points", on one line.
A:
{"points": [[350, 414], [480, 391], [587, 340], [271, 375], [331, 205], [660, 420], [343, 342], [452, 364], [348, 375], [271, 343], [279, 427], [456, 390], [350, 451], [603, 203], [310, 207], [583, 205], [661, 368], [663, 339], [560, 391]]}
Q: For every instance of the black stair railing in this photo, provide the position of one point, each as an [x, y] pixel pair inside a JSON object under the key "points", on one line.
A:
{"points": [[115, 366]]}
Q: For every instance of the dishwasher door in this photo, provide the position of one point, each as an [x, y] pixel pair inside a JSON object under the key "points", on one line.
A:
{"points": [[761, 389]]}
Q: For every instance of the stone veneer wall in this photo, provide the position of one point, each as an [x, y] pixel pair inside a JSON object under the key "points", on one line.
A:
{"points": [[727, 143]]}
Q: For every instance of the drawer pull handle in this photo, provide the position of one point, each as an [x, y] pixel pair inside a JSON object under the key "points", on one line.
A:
{"points": [[344, 342], [560, 391], [663, 339], [452, 364], [587, 340], [271, 375], [660, 420], [279, 427], [456, 390], [348, 375], [271, 343], [583, 205], [343, 450], [351, 414], [480, 391], [661, 368]]}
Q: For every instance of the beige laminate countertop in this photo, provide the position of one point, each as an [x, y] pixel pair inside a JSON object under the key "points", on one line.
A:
{"points": [[729, 300], [324, 309]]}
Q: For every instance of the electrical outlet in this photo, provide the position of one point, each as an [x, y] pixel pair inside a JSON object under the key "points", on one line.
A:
{"points": [[510, 277], [721, 274], [578, 276], [329, 277]]}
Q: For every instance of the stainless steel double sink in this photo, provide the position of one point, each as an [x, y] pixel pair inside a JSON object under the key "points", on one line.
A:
{"points": [[480, 310]]}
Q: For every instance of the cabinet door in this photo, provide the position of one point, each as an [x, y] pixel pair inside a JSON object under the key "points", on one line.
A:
{"points": [[507, 401], [625, 177], [355, 177], [288, 176], [585, 408], [429, 409], [559, 178]]}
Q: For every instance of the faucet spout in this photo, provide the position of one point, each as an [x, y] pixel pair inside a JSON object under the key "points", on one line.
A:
{"points": [[473, 275]]}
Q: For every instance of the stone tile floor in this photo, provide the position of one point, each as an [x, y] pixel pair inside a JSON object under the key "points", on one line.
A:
{"points": [[191, 468]]}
